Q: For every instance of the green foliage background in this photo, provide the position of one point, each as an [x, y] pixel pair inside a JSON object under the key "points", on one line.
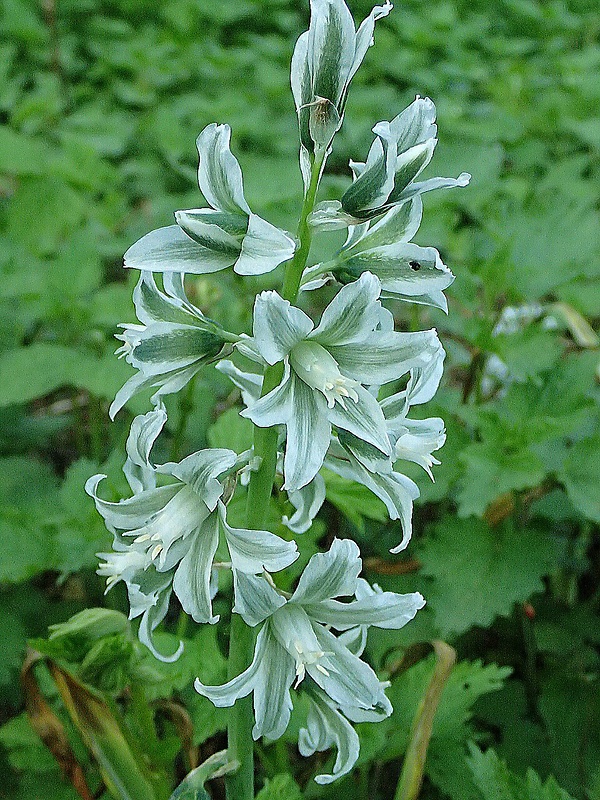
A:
{"points": [[100, 103]]}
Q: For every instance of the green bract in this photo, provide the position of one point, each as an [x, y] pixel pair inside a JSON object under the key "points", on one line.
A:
{"points": [[210, 239]]}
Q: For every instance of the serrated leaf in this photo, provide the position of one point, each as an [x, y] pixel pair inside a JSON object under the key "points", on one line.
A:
{"points": [[580, 476], [491, 471], [496, 782], [480, 572], [445, 763]]}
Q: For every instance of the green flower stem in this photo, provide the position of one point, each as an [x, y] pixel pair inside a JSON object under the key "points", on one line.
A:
{"points": [[240, 784], [295, 268]]}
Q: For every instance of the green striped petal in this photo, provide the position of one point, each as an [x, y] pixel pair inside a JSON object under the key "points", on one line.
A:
{"points": [[384, 357], [219, 173], [308, 435], [164, 347], [327, 728], [253, 551], [264, 247], [330, 574], [353, 313], [255, 598], [171, 250], [380, 610], [192, 579], [278, 326], [202, 225], [364, 419]]}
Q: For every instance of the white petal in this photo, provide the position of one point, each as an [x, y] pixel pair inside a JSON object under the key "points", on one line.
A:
{"points": [[308, 435], [364, 35], [200, 471], [264, 247], [416, 124], [170, 250], [144, 431], [433, 183], [400, 224], [253, 551], [134, 512], [255, 598], [275, 407], [278, 326], [331, 574], [225, 695], [381, 610], [192, 580], [364, 419], [331, 47], [326, 728], [151, 305], [249, 382], [353, 313], [307, 502], [272, 701], [385, 357], [219, 173], [164, 347]]}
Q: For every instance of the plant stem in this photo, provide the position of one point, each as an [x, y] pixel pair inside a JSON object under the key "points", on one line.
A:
{"points": [[240, 784], [295, 268]]}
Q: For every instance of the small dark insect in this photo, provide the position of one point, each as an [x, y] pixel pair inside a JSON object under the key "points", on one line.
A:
{"points": [[414, 265]]}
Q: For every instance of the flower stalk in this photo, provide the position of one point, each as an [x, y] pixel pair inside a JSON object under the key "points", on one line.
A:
{"points": [[312, 398]]}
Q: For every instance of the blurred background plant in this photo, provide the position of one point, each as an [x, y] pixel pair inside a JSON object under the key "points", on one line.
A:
{"points": [[100, 104]]}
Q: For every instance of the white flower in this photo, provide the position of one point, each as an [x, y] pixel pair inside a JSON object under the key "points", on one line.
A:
{"points": [[406, 270], [228, 234], [325, 59], [327, 370], [170, 345], [169, 535], [295, 644], [400, 152]]}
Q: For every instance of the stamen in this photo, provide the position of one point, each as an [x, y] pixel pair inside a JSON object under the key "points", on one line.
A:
{"points": [[156, 551]]}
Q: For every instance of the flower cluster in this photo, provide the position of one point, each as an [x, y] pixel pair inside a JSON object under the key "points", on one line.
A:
{"points": [[316, 383]]}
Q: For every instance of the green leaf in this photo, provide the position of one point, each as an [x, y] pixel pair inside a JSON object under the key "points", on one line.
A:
{"points": [[41, 368], [492, 470], [231, 431], [280, 787], [353, 500], [496, 782], [192, 786], [479, 573], [580, 476]]}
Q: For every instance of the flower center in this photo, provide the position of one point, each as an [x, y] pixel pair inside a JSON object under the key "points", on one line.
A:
{"points": [[313, 364]]}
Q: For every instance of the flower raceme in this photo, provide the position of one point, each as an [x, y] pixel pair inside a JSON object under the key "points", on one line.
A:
{"points": [[328, 375], [327, 370]]}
